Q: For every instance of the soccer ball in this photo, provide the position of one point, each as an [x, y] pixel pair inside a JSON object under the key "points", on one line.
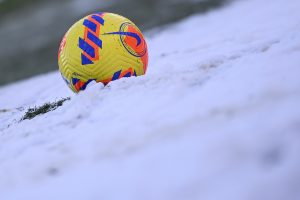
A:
{"points": [[101, 47]]}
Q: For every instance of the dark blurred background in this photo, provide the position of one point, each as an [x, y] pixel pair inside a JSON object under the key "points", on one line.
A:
{"points": [[31, 30]]}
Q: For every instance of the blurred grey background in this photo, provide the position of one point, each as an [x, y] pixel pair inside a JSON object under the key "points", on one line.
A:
{"points": [[31, 30]]}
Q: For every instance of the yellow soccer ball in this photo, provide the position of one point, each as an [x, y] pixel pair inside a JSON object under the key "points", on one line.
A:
{"points": [[101, 47]]}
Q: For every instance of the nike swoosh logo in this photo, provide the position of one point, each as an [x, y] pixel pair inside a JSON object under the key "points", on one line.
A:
{"points": [[130, 34]]}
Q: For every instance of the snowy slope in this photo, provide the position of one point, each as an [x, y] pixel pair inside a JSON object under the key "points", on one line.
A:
{"points": [[216, 117]]}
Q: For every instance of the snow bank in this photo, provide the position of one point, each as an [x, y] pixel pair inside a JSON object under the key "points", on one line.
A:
{"points": [[216, 117]]}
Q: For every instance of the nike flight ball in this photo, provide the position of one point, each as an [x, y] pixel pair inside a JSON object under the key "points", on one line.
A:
{"points": [[101, 47]]}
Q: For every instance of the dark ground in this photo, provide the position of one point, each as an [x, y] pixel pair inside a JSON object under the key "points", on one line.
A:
{"points": [[31, 30]]}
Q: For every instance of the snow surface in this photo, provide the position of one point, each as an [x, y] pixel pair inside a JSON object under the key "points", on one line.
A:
{"points": [[216, 117]]}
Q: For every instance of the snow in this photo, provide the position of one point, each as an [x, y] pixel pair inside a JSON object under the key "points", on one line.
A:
{"points": [[216, 117]]}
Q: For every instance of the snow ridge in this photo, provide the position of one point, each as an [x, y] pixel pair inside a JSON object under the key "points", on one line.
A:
{"points": [[216, 117]]}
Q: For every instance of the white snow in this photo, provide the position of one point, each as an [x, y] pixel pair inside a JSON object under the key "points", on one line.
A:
{"points": [[216, 117]]}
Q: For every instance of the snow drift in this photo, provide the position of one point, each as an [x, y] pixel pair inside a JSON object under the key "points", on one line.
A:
{"points": [[216, 117]]}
